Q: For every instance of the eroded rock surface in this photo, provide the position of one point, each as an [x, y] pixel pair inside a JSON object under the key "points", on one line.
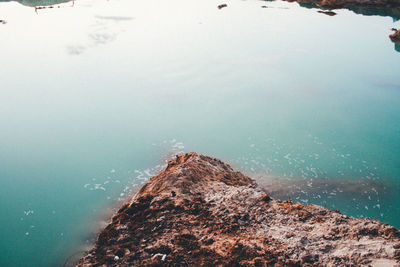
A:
{"points": [[200, 212]]}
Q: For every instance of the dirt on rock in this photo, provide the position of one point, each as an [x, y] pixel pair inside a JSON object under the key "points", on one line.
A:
{"points": [[200, 212]]}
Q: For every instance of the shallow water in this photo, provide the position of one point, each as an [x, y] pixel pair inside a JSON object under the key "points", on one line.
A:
{"points": [[95, 95]]}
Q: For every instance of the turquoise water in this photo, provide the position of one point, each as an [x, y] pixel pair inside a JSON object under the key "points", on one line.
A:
{"points": [[96, 95]]}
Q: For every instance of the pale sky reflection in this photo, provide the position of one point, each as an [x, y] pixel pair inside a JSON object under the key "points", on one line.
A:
{"points": [[102, 33]]}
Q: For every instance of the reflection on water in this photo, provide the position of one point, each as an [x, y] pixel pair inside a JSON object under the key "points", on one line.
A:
{"points": [[100, 33], [38, 3], [397, 47], [359, 197], [114, 18], [291, 187], [393, 12]]}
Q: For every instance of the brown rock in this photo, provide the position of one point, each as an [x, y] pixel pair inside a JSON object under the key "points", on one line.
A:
{"points": [[219, 217], [395, 37]]}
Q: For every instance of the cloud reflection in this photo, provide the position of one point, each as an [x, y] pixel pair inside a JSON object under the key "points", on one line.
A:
{"points": [[75, 50], [104, 30], [114, 18], [99, 38]]}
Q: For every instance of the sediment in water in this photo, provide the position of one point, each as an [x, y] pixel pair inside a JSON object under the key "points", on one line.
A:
{"points": [[200, 212]]}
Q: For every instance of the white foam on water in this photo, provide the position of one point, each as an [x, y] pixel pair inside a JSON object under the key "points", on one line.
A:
{"points": [[27, 213]]}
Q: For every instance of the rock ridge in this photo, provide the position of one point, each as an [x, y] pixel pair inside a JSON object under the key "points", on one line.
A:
{"points": [[200, 212]]}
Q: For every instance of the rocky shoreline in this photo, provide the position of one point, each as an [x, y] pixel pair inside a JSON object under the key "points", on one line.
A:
{"points": [[200, 212]]}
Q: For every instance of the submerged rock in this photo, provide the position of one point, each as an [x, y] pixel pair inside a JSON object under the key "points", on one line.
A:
{"points": [[200, 212]]}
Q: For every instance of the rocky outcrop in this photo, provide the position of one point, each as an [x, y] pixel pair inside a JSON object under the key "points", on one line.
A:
{"points": [[200, 212]]}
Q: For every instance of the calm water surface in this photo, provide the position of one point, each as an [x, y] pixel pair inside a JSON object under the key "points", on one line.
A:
{"points": [[95, 95]]}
